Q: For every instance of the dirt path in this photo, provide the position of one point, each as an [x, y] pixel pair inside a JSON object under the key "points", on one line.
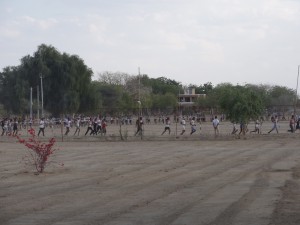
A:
{"points": [[219, 182]]}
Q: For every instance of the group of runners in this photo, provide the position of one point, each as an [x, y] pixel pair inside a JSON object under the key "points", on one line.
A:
{"points": [[97, 125], [193, 124], [294, 124]]}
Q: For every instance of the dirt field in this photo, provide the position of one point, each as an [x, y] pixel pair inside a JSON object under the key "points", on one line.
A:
{"points": [[164, 180]]}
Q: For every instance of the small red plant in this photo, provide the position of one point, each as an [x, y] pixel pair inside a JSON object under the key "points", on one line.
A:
{"points": [[41, 151]]}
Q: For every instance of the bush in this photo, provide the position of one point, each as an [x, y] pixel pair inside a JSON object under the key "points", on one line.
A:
{"points": [[39, 152]]}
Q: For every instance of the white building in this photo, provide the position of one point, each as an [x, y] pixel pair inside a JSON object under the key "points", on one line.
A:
{"points": [[189, 97]]}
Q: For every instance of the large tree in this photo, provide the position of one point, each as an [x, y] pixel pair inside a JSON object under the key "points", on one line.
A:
{"points": [[241, 103], [66, 82]]}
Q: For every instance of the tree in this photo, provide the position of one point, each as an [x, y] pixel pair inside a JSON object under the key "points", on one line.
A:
{"points": [[165, 102], [117, 78], [66, 81], [203, 89], [240, 103], [163, 85], [280, 98]]}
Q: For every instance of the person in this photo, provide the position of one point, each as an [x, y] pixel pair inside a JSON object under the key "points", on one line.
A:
{"points": [[292, 124], [77, 125], [95, 124], [15, 127], [68, 125], [183, 123], [139, 124], [216, 123], [243, 128], [193, 126], [234, 129], [103, 127], [167, 126], [42, 127], [90, 127], [98, 127], [298, 124], [9, 127], [4, 126], [30, 122], [256, 127], [274, 120]]}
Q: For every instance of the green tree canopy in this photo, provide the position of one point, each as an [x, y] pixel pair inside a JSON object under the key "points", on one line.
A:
{"points": [[66, 81], [241, 103]]}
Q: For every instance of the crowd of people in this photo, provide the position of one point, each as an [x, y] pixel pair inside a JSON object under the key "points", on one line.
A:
{"points": [[97, 125]]}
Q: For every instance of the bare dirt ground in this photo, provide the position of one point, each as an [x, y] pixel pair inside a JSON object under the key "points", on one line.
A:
{"points": [[195, 179]]}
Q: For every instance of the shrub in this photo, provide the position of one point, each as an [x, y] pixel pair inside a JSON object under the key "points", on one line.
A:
{"points": [[39, 152]]}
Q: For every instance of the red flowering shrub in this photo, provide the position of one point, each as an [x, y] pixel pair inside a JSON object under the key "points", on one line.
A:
{"points": [[40, 153]]}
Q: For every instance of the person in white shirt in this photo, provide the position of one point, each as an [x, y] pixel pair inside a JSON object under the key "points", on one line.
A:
{"points": [[77, 125], [216, 123], [275, 124], [68, 125], [256, 128], [167, 126], [183, 123], [42, 127], [193, 126]]}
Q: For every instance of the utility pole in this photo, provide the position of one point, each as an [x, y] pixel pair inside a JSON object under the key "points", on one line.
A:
{"points": [[296, 96], [140, 103], [30, 107], [42, 95], [139, 93], [38, 102]]}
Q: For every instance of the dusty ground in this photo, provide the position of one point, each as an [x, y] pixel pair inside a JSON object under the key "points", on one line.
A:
{"points": [[190, 180]]}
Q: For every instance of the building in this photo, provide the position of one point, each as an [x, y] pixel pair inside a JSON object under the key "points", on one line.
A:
{"points": [[189, 97]]}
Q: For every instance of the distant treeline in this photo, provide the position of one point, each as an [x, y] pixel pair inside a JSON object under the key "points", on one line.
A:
{"points": [[66, 85]]}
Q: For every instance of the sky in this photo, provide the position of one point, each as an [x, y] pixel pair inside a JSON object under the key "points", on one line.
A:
{"points": [[190, 41]]}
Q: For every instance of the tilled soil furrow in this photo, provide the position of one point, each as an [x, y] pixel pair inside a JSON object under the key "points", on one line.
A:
{"points": [[193, 180], [131, 175]]}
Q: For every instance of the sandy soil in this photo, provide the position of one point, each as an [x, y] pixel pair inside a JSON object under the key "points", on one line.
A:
{"points": [[189, 180]]}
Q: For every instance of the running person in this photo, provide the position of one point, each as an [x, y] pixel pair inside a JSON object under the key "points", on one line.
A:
{"points": [[90, 127], [275, 124], [15, 127], [193, 126], [256, 127], [68, 125], [167, 126], [42, 127], [139, 124], [77, 125], [183, 123]]}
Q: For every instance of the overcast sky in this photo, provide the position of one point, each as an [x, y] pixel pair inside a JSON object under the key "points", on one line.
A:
{"points": [[190, 41]]}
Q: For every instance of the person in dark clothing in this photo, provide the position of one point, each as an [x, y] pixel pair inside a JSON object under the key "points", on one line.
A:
{"points": [[139, 125]]}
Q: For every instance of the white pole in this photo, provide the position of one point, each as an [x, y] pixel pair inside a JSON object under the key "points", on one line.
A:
{"points": [[42, 95], [140, 114], [296, 97], [30, 103], [38, 103]]}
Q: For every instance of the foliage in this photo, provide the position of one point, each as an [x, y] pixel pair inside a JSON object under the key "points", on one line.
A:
{"points": [[40, 152], [167, 101], [241, 104], [279, 96], [66, 81], [162, 85], [202, 89], [68, 88], [111, 78]]}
